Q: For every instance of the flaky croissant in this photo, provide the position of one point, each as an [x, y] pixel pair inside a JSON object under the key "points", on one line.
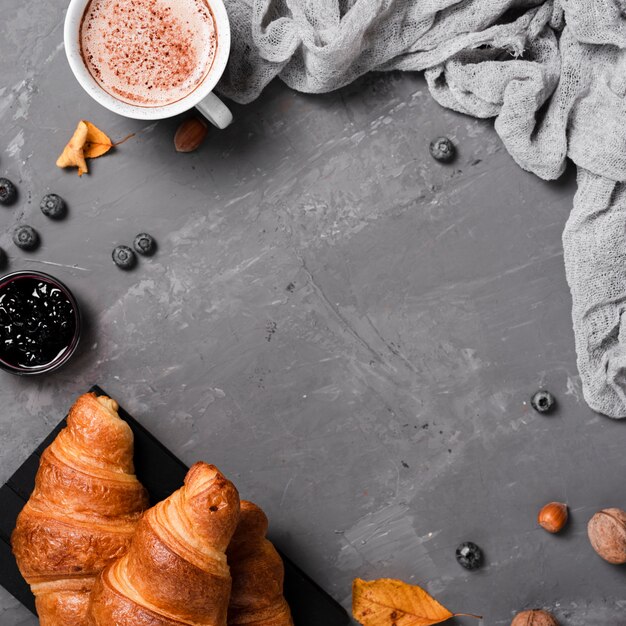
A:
{"points": [[175, 572], [258, 573], [82, 513]]}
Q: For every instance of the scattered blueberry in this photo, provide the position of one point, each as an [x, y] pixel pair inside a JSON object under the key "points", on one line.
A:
{"points": [[8, 192], [26, 237], [442, 149], [543, 401], [469, 555], [144, 244], [53, 206], [124, 257]]}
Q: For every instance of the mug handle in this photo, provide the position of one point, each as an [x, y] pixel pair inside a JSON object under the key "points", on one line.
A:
{"points": [[215, 111]]}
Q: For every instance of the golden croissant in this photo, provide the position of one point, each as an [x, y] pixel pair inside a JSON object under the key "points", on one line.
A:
{"points": [[82, 513], [175, 572], [258, 574]]}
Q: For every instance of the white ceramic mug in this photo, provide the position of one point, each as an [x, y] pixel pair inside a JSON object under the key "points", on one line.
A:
{"points": [[202, 96]]}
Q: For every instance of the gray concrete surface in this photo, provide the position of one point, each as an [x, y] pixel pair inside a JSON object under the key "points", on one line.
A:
{"points": [[350, 330]]}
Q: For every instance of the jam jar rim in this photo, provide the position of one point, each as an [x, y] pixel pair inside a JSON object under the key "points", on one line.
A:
{"points": [[61, 360]]}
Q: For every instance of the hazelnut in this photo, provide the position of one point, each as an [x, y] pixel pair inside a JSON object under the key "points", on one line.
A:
{"points": [[553, 516], [190, 134], [607, 533], [535, 617]]}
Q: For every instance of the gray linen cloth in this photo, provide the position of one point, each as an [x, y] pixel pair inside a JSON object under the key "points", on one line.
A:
{"points": [[551, 73]]}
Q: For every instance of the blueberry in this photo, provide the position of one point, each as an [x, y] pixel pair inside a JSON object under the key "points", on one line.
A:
{"points": [[8, 192], [144, 244], [543, 401], [53, 206], [25, 237], [124, 257], [442, 149], [469, 555]]}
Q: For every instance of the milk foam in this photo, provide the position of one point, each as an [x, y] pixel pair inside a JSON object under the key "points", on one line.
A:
{"points": [[148, 52]]}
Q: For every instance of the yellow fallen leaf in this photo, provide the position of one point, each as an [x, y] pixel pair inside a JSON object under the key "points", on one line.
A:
{"points": [[388, 602], [97, 142], [87, 142], [72, 154]]}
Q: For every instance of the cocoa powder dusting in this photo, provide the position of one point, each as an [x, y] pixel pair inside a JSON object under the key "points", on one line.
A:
{"points": [[148, 52]]}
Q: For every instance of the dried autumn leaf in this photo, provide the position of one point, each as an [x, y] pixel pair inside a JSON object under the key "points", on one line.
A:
{"points": [[73, 155], [97, 142], [87, 142], [388, 602]]}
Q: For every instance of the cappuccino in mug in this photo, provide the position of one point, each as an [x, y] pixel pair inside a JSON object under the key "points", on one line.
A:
{"points": [[148, 53]]}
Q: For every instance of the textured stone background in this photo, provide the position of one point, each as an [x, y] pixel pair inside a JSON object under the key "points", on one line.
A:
{"points": [[347, 328]]}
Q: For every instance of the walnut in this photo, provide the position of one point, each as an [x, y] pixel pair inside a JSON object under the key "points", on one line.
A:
{"points": [[607, 533], [535, 617]]}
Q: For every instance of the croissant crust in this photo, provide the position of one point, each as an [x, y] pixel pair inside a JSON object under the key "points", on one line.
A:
{"points": [[175, 571], [258, 574], [82, 513]]}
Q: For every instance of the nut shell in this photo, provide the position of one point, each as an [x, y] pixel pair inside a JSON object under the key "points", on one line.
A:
{"points": [[190, 134], [607, 534], [553, 516], [535, 617]]}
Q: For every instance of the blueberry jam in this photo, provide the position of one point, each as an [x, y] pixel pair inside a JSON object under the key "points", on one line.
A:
{"points": [[38, 322]]}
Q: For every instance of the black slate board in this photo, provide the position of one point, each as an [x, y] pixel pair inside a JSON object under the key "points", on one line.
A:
{"points": [[161, 473]]}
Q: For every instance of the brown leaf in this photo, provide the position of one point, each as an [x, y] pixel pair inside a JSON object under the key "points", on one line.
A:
{"points": [[87, 142], [388, 602], [97, 142], [72, 155]]}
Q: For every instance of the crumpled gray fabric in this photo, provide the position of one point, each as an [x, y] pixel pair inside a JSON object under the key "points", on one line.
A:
{"points": [[552, 74]]}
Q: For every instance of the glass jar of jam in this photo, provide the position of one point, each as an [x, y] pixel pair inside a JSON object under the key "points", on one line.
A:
{"points": [[39, 323]]}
